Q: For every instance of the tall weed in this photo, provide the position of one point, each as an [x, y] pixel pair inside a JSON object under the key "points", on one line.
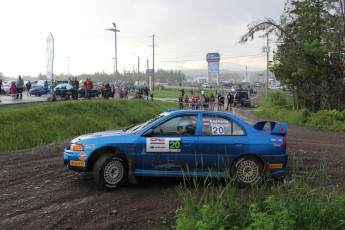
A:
{"points": [[292, 204]]}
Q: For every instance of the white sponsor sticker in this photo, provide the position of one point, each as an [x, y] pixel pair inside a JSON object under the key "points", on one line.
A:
{"points": [[159, 144], [90, 146]]}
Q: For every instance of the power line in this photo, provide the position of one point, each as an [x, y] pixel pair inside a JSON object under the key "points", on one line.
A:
{"points": [[202, 59]]}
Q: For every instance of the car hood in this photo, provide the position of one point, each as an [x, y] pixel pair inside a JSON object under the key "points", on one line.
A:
{"points": [[99, 134]]}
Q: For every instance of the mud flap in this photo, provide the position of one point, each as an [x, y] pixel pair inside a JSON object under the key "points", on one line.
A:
{"points": [[131, 177]]}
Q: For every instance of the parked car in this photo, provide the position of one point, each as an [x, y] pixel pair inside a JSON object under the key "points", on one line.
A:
{"points": [[242, 98], [207, 85], [182, 143], [63, 90], [38, 91], [234, 88], [227, 83], [275, 87], [40, 83], [95, 91], [6, 88]]}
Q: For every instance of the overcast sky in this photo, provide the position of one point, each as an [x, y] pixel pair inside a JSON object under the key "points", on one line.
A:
{"points": [[185, 31]]}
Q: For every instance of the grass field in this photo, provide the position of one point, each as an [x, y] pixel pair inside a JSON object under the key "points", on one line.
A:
{"points": [[35, 125]]}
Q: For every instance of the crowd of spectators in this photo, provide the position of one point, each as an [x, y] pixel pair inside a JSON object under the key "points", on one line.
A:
{"points": [[88, 89], [204, 101]]}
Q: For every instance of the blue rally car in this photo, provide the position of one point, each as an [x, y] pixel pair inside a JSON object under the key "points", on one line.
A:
{"points": [[182, 143]]}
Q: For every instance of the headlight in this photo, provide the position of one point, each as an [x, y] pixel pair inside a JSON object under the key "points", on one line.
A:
{"points": [[77, 147]]}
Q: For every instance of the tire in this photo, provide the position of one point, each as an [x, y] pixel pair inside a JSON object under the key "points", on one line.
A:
{"points": [[247, 170], [37, 94], [110, 172]]}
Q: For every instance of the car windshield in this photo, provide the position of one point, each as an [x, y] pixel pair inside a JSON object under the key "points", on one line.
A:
{"points": [[136, 128]]}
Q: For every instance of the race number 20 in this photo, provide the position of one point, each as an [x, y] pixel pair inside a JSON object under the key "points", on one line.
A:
{"points": [[174, 145], [217, 130]]}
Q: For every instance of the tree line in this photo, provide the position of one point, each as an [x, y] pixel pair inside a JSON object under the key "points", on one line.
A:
{"points": [[310, 54], [164, 76]]}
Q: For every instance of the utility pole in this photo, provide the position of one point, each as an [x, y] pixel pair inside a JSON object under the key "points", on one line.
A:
{"points": [[153, 62], [138, 65], [148, 74], [115, 71]]}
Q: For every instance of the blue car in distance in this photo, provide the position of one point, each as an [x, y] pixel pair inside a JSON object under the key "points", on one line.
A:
{"points": [[38, 91], [182, 143]]}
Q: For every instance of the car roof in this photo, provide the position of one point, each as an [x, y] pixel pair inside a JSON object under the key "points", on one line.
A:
{"points": [[63, 85]]}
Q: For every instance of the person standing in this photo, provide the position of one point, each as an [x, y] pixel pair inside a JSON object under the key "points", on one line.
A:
{"points": [[146, 90], [199, 103], [45, 87], [230, 99], [76, 83], [74, 90], [221, 100], [13, 90], [180, 102], [0, 87], [107, 91], [102, 88], [206, 102], [88, 87], [19, 90], [186, 102], [193, 101], [54, 83], [212, 101], [28, 87]]}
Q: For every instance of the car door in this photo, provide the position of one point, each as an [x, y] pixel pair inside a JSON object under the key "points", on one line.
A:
{"points": [[221, 140], [169, 145]]}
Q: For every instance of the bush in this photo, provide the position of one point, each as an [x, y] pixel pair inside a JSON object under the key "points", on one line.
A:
{"points": [[327, 120], [278, 99], [278, 106]]}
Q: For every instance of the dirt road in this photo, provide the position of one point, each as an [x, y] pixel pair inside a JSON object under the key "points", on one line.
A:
{"points": [[38, 192]]}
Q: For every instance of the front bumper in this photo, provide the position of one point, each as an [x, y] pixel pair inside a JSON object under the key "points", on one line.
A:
{"points": [[75, 160]]}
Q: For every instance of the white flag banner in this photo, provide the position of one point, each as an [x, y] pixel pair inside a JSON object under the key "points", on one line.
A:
{"points": [[49, 56]]}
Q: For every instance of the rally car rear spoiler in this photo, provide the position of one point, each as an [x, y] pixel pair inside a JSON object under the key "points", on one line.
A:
{"points": [[276, 127]]}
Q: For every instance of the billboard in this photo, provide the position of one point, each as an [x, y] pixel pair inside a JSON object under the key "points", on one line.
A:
{"points": [[213, 67], [213, 57]]}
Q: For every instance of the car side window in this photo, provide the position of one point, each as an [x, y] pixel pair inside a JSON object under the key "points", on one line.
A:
{"points": [[177, 126], [220, 126]]}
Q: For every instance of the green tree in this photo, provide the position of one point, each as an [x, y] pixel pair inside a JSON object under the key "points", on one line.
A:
{"points": [[309, 53]]}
